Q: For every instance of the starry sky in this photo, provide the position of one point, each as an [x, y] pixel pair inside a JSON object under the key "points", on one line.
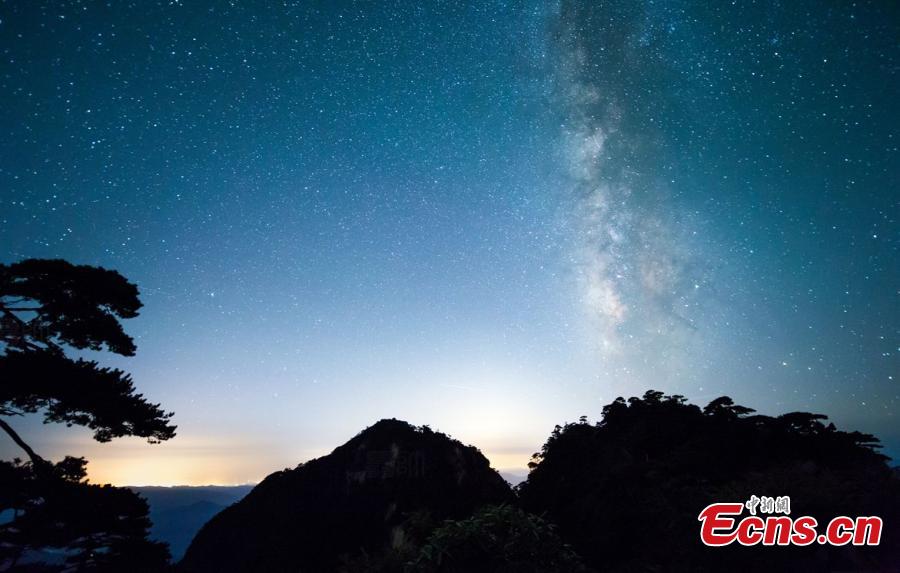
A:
{"points": [[489, 217]]}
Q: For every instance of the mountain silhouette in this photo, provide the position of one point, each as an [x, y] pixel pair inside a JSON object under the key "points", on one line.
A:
{"points": [[373, 499]]}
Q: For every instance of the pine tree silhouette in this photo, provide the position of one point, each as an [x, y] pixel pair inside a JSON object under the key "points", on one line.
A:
{"points": [[46, 307]]}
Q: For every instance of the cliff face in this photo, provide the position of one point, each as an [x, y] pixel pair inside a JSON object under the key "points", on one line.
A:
{"points": [[374, 498]]}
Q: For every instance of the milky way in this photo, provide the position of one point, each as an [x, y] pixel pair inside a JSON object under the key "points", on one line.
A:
{"points": [[716, 216], [490, 217], [636, 263], [641, 268]]}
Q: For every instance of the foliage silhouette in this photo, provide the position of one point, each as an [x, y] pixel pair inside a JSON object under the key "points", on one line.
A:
{"points": [[94, 528], [47, 306], [497, 539], [626, 491]]}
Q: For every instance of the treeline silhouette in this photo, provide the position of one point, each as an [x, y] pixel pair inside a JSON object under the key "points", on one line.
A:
{"points": [[622, 494], [627, 490]]}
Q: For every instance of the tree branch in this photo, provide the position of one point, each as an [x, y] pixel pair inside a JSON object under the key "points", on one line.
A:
{"points": [[36, 460]]}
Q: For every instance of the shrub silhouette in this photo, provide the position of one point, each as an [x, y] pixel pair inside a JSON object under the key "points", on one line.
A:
{"points": [[626, 491], [497, 539]]}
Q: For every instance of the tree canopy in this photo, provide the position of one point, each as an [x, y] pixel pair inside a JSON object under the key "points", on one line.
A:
{"points": [[626, 491], [47, 306], [60, 521]]}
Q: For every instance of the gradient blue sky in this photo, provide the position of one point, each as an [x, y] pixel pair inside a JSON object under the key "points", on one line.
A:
{"points": [[488, 217]]}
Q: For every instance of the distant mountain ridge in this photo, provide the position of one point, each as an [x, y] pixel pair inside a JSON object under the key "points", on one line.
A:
{"points": [[179, 512]]}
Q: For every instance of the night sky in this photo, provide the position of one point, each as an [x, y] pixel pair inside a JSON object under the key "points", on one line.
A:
{"points": [[488, 217]]}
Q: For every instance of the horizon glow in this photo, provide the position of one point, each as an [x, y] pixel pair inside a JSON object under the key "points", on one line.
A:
{"points": [[490, 218]]}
